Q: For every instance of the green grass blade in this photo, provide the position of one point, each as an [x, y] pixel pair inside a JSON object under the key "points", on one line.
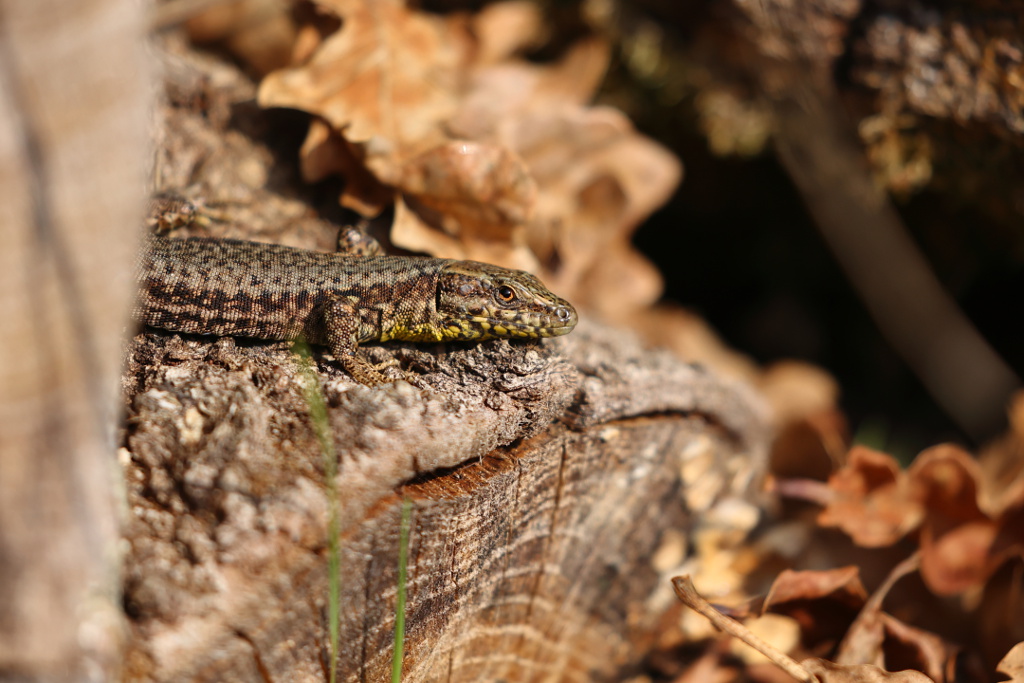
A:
{"points": [[403, 558], [321, 426]]}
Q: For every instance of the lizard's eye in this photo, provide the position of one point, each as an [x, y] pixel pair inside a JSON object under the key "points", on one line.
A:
{"points": [[506, 293]]}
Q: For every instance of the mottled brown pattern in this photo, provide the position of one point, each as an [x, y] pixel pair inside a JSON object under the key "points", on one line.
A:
{"points": [[266, 291]]}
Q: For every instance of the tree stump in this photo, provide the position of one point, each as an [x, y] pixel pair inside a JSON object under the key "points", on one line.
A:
{"points": [[542, 479]]}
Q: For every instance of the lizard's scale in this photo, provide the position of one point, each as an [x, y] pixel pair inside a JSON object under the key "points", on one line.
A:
{"points": [[229, 287]]}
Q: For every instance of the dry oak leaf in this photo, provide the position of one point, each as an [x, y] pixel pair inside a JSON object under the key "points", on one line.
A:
{"points": [[875, 637], [473, 186], [1013, 664], [808, 670], [797, 390], [841, 584], [397, 86], [811, 432], [467, 200], [779, 631], [957, 537], [865, 636], [934, 656], [260, 32], [999, 614], [500, 95], [464, 223], [1002, 463], [325, 152], [871, 500], [822, 602], [829, 672], [875, 503], [809, 447], [598, 179], [387, 80], [505, 28]]}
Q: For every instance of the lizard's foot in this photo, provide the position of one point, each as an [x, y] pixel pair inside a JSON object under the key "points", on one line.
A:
{"points": [[168, 211], [372, 374], [355, 242], [389, 363]]}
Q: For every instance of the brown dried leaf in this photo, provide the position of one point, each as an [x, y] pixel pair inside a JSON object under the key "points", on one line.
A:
{"points": [[828, 672], [961, 545], [1013, 664], [863, 642], [259, 32], [504, 28], [325, 152], [960, 558], [1009, 541], [842, 585], [810, 447], [598, 179], [1002, 464], [692, 339], [930, 653], [472, 191], [947, 478], [412, 232], [873, 502], [1000, 612], [778, 631], [614, 285], [496, 158], [812, 434], [822, 602], [798, 390], [500, 96], [387, 80], [956, 536], [685, 591]]}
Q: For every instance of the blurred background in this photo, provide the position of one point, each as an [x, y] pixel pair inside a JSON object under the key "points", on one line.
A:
{"points": [[932, 93]]}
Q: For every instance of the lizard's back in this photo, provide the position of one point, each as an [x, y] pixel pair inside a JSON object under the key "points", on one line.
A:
{"points": [[267, 291]]}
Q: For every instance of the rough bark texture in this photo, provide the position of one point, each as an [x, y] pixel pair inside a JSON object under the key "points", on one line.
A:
{"points": [[530, 555], [72, 135]]}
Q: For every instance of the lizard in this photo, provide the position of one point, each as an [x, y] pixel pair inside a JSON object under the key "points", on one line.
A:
{"points": [[229, 287]]}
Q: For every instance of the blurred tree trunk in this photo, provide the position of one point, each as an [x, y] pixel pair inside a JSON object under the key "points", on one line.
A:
{"points": [[72, 141]]}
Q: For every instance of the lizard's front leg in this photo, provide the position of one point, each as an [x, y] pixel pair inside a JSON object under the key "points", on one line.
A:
{"points": [[342, 325]]}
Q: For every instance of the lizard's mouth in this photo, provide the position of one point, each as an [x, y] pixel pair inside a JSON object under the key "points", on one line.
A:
{"points": [[558, 320]]}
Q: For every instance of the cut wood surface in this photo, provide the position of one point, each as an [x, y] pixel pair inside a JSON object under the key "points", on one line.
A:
{"points": [[542, 479]]}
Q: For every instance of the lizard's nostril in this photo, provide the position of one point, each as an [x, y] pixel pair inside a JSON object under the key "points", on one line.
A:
{"points": [[563, 313]]}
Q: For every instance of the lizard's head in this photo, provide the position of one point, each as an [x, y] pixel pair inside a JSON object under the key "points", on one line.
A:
{"points": [[481, 301]]}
